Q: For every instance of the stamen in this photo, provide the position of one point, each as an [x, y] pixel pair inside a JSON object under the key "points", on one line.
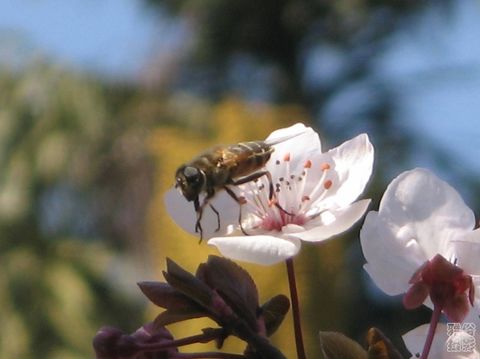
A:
{"points": [[257, 203], [324, 166], [303, 179], [271, 213], [318, 191]]}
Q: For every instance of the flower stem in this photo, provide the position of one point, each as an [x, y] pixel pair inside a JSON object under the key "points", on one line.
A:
{"points": [[200, 338], [295, 309], [437, 310]]}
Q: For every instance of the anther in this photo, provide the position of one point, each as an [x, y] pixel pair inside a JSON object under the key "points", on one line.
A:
{"points": [[327, 184], [286, 158], [281, 179], [292, 176], [242, 200], [324, 166], [277, 162], [272, 202], [305, 198], [307, 164]]}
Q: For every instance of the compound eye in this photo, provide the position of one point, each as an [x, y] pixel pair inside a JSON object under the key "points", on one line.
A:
{"points": [[192, 174]]}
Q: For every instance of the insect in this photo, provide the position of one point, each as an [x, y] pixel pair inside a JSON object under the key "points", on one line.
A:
{"points": [[221, 167]]}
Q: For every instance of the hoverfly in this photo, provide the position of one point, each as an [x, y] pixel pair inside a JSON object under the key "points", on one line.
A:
{"points": [[221, 167]]}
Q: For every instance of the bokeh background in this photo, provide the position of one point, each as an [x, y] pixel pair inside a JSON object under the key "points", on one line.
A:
{"points": [[101, 100]]}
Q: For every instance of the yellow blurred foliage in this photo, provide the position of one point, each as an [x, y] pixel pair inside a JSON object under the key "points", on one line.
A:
{"points": [[231, 121]]}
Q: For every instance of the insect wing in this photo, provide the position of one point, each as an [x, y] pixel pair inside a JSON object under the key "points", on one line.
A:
{"points": [[226, 158], [184, 214]]}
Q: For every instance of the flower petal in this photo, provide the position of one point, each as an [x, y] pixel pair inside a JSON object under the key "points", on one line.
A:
{"points": [[287, 132], [415, 340], [300, 148], [391, 260], [467, 252], [416, 295], [261, 249], [334, 222], [353, 163], [457, 309], [473, 315], [183, 213], [434, 211]]}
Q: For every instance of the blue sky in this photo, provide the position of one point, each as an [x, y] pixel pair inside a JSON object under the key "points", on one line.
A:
{"points": [[433, 65], [109, 36]]}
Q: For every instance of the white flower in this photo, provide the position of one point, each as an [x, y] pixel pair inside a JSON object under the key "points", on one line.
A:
{"points": [[420, 217], [448, 342], [315, 192]]}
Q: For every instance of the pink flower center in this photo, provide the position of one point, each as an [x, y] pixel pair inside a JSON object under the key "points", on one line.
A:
{"points": [[271, 223], [297, 196]]}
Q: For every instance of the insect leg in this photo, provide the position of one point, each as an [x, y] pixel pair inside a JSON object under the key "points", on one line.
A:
{"points": [[257, 175], [199, 212], [218, 216], [239, 201]]}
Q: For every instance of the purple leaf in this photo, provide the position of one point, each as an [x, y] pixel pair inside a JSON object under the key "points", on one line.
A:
{"points": [[274, 312], [188, 284], [233, 284], [338, 346]]}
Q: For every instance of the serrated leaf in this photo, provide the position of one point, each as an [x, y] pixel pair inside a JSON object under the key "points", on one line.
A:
{"points": [[338, 346], [380, 347], [274, 312], [233, 284]]}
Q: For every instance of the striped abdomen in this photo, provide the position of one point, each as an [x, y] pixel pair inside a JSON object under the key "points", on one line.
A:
{"points": [[245, 158]]}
